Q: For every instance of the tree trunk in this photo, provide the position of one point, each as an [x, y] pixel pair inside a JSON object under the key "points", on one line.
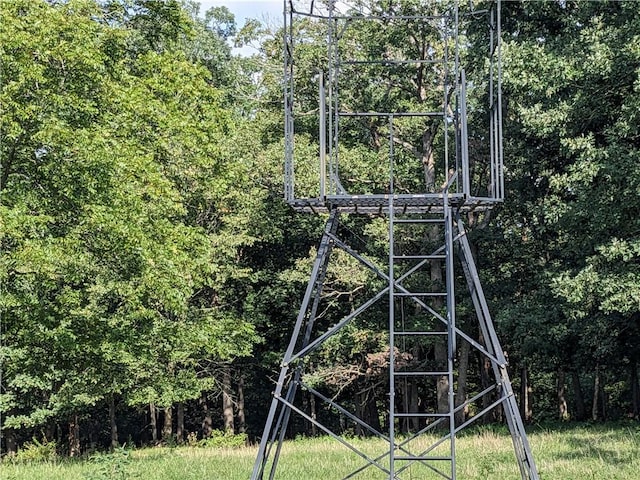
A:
{"points": [[440, 349], [563, 411], [373, 416], [463, 373], [10, 443], [227, 401], [167, 426], [207, 421], [366, 410], [407, 401], [442, 386], [403, 399], [635, 391], [414, 405], [306, 423], [428, 158], [74, 436], [59, 434], [112, 423], [242, 422], [180, 424], [525, 395], [604, 401], [50, 431], [581, 409], [486, 378], [153, 415], [92, 433], [596, 394], [314, 414], [360, 413]]}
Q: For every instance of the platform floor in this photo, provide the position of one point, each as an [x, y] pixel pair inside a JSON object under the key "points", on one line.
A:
{"points": [[379, 204]]}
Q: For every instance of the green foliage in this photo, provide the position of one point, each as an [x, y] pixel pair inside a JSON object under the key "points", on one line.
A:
{"points": [[223, 439], [36, 451], [111, 466], [123, 211], [145, 243], [561, 257]]}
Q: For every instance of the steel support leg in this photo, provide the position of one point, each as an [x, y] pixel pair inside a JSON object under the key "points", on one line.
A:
{"points": [[524, 456], [311, 298]]}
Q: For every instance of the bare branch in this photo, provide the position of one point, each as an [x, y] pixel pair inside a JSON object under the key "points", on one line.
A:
{"points": [[412, 148]]}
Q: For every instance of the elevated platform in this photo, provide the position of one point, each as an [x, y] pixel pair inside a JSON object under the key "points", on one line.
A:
{"points": [[379, 204], [392, 116]]}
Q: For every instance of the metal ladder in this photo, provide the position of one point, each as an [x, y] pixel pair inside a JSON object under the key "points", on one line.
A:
{"points": [[453, 242], [402, 267]]}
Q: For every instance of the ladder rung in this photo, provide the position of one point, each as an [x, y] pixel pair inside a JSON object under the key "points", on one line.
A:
{"points": [[419, 257], [423, 459], [421, 294], [419, 333], [421, 415], [420, 374]]}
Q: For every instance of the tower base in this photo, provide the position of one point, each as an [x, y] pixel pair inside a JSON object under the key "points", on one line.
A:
{"points": [[427, 398]]}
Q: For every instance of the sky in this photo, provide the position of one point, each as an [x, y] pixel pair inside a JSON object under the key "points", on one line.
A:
{"points": [[243, 9], [267, 11]]}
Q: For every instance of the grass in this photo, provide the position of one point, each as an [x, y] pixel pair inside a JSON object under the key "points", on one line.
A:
{"points": [[584, 452]]}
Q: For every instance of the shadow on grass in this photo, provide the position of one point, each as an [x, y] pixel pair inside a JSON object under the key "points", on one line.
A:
{"points": [[616, 444]]}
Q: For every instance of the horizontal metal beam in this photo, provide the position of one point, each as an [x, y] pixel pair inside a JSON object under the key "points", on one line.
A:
{"points": [[383, 61], [372, 17], [390, 114]]}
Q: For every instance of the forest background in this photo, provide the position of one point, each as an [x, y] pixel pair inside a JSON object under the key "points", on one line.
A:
{"points": [[150, 270]]}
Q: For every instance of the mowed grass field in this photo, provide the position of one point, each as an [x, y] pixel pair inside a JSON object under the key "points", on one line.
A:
{"points": [[599, 452]]}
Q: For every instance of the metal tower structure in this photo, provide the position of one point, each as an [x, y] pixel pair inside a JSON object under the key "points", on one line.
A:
{"points": [[391, 84]]}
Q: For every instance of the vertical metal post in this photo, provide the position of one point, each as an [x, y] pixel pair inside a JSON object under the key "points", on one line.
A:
{"points": [[446, 81], [464, 135], [451, 328], [392, 314], [494, 111], [448, 85], [332, 113], [323, 138], [500, 148], [287, 37], [495, 103]]}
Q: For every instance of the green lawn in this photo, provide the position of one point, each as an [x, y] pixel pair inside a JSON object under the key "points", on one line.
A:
{"points": [[609, 452]]}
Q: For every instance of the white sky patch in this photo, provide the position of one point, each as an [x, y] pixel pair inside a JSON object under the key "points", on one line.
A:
{"points": [[268, 12], [263, 10]]}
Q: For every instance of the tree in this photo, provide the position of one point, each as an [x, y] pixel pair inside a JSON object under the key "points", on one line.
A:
{"points": [[121, 219], [570, 78]]}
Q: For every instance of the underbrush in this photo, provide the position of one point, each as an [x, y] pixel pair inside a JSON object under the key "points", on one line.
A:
{"points": [[223, 439], [36, 451]]}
